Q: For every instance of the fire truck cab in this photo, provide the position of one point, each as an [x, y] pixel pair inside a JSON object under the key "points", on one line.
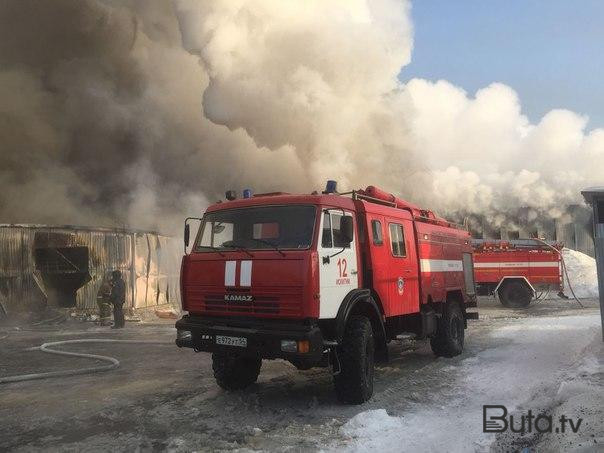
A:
{"points": [[322, 280]]}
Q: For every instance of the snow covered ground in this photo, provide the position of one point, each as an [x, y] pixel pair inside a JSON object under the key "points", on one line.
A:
{"points": [[546, 357], [546, 363], [533, 364]]}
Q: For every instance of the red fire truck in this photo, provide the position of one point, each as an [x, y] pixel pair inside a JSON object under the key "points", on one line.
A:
{"points": [[516, 271], [322, 280]]}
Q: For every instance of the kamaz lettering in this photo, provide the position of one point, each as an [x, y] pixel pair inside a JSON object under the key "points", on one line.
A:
{"points": [[238, 298]]}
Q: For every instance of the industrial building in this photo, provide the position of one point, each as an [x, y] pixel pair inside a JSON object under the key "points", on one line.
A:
{"points": [[64, 266], [573, 228]]}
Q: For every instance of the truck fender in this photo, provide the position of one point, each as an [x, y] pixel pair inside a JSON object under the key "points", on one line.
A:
{"points": [[361, 301], [514, 277]]}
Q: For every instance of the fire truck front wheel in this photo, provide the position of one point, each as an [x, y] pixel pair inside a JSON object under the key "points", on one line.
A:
{"points": [[515, 294], [234, 372], [354, 382], [449, 338]]}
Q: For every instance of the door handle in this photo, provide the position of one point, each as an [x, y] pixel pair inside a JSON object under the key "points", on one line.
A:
{"points": [[407, 271], [353, 272]]}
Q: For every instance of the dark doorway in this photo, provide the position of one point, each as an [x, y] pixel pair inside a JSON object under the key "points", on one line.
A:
{"points": [[64, 270]]}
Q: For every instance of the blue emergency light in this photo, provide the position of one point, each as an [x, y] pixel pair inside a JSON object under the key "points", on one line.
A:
{"points": [[247, 193], [331, 186]]}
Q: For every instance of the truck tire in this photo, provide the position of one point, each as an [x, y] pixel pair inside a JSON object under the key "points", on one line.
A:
{"points": [[449, 338], [515, 294], [354, 382], [234, 372]]}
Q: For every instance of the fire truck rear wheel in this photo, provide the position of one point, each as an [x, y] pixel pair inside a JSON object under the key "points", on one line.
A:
{"points": [[234, 372], [515, 294], [449, 338], [354, 383]]}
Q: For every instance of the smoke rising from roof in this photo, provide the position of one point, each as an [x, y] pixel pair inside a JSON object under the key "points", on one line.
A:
{"points": [[140, 112]]}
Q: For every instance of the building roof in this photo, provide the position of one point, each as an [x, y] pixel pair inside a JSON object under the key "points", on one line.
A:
{"points": [[591, 192], [79, 228]]}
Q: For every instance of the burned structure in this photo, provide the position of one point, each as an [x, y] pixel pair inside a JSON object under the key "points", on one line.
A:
{"points": [[64, 266], [573, 228]]}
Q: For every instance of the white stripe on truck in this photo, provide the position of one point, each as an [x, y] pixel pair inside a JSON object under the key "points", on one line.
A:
{"points": [[245, 279], [427, 265], [229, 273], [517, 264]]}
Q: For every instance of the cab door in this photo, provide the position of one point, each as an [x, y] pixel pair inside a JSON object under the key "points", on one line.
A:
{"points": [[338, 271], [403, 270]]}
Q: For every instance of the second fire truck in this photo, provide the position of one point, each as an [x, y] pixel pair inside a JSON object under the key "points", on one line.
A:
{"points": [[322, 280], [517, 271]]}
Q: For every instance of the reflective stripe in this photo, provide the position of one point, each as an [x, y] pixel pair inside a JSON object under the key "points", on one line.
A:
{"points": [[427, 265], [229, 273], [245, 279], [518, 264]]}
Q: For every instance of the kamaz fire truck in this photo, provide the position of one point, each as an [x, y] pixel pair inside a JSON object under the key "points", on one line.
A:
{"points": [[517, 271], [322, 280]]}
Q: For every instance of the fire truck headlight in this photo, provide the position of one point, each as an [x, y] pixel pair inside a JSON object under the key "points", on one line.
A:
{"points": [[300, 346], [183, 335], [289, 346]]}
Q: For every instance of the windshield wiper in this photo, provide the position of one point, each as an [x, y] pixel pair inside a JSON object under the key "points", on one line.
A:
{"points": [[239, 248], [275, 247], [214, 249]]}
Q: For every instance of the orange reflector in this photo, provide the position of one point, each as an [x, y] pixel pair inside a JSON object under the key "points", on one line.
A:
{"points": [[303, 346]]}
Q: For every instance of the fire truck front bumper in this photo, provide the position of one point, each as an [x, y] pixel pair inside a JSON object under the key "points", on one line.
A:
{"points": [[268, 339]]}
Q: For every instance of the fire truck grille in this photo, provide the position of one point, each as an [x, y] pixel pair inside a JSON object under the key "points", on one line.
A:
{"points": [[281, 305]]}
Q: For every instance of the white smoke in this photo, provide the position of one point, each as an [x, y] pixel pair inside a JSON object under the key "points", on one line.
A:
{"points": [[318, 77], [139, 113], [485, 156], [322, 77]]}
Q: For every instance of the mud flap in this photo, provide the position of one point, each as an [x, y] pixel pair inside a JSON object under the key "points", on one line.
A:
{"points": [[334, 361]]}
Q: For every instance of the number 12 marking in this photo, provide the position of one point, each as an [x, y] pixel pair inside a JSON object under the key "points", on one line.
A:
{"points": [[342, 265]]}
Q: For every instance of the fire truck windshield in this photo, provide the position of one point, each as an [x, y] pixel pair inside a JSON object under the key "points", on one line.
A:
{"points": [[257, 228]]}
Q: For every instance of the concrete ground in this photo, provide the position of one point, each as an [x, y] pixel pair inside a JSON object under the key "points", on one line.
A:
{"points": [[165, 398]]}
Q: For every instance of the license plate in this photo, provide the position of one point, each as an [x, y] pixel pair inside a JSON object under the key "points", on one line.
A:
{"points": [[231, 341]]}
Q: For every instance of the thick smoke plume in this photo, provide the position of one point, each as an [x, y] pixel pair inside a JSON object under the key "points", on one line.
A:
{"points": [[137, 113]]}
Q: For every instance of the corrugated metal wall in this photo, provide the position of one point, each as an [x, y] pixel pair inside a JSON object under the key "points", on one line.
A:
{"points": [[19, 281], [150, 265]]}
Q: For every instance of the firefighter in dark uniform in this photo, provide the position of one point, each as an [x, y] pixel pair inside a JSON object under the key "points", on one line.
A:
{"points": [[103, 300], [118, 297]]}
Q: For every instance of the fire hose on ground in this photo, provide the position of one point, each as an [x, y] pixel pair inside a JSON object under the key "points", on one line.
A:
{"points": [[559, 252], [112, 362]]}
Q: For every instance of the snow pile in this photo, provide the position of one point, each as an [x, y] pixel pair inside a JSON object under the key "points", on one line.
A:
{"points": [[582, 273], [375, 430], [372, 423]]}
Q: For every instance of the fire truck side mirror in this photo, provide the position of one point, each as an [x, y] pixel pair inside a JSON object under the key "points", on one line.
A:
{"points": [[346, 229], [187, 234]]}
